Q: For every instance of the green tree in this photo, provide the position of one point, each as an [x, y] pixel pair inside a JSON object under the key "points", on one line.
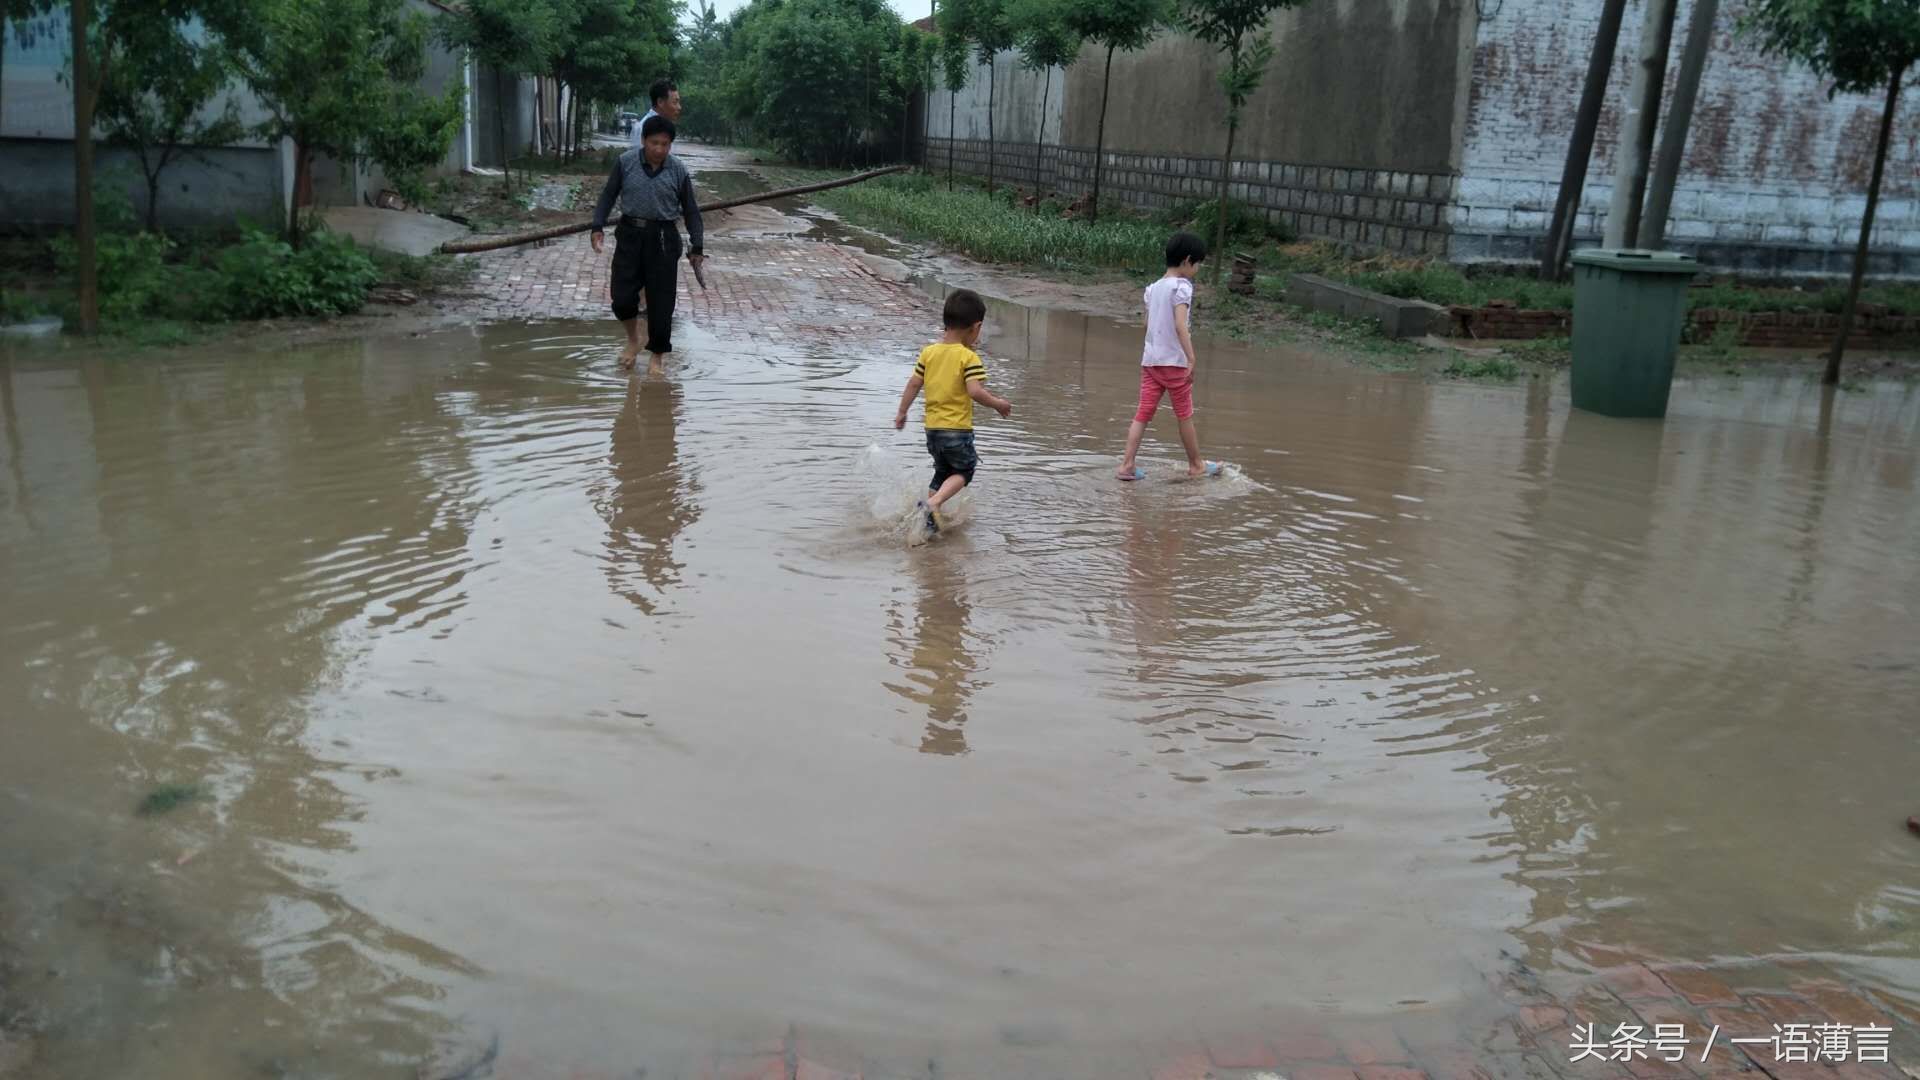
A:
{"points": [[340, 76], [985, 25], [513, 37], [1046, 41], [609, 49], [1125, 25], [814, 75], [955, 68], [1238, 29], [911, 69], [154, 96], [1861, 45]]}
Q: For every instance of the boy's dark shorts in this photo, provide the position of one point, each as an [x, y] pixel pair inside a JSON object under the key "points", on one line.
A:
{"points": [[952, 455]]}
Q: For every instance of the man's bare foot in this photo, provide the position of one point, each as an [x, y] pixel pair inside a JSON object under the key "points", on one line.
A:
{"points": [[657, 369], [627, 357]]}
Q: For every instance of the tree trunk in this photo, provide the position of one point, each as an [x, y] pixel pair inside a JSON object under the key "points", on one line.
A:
{"points": [[153, 202], [1673, 136], [500, 126], [88, 285], [953, 100], [1100, 140], [1866, 231], [1637, 128], [1220, 208], [990, 89], [302, 189], [1040, 142], [1573, 178]]}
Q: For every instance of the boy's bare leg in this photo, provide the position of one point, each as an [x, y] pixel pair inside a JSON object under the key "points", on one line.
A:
{"points": [[632, 352], [947, 491], [1190, 438], [1134, 434]]}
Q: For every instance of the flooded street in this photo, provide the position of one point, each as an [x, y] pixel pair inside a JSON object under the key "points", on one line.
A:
{"points": [[616, 718]]}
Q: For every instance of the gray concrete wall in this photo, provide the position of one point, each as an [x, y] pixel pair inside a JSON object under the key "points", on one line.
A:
{"points": [[1017, 103], [1368, 84], [1354, 136], [520, 116], [36, 123], [36, 186], [1773, 180]]}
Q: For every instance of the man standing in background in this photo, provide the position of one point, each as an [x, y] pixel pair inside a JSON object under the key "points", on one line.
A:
{"points": [[664, 100]]}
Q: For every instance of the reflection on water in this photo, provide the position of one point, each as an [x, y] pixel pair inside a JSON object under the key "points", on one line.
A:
{"points": [[645, 506], [938, 649], [1442, 673]]}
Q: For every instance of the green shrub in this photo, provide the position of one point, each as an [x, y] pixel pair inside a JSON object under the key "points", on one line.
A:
{"points": [[19, 307], [263, 277], [1497, 367], [131, 269], [1245, 225]]}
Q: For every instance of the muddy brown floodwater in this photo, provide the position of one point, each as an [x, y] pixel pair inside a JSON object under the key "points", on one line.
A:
{"points": [[616, 720]]}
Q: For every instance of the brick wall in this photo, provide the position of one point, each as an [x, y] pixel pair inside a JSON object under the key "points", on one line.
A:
{"points": [[1778, 329], [1375, 208], [1775, 173]]}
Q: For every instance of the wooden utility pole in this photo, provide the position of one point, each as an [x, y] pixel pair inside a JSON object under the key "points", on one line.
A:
{"points": [[1673, 135], [1637, 129], [1573, 179]]}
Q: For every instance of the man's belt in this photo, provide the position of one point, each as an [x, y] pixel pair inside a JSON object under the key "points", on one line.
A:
{"points": [[643, 223]]}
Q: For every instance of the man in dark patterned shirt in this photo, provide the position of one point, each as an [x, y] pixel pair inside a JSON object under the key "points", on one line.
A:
{"points": [[654, 190]]}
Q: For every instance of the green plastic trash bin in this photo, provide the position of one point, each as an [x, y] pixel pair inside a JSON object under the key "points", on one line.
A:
{"points": [[1628, 310]]}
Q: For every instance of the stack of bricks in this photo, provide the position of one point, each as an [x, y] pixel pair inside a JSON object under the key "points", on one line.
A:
{"points": [[1505, 322]]}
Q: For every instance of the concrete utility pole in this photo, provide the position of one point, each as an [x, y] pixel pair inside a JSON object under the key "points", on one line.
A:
{"points": [[1636, 129], [1673, 137], [1573, 179]]}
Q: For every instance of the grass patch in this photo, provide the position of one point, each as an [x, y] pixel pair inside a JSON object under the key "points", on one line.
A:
{"points": [[422, 273], [1897, 298], [142, 333], [1495, 367], [992, 228], [1551, 351], [168, 797]]}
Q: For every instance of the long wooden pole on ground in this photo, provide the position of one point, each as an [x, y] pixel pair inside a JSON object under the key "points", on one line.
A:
{"points": [[494, 243]]}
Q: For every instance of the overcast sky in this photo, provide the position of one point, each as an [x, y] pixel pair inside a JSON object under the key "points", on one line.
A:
{"points": [[911, 10]]}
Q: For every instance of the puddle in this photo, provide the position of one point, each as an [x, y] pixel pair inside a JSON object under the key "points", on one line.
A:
{"points": [[616, 719]]}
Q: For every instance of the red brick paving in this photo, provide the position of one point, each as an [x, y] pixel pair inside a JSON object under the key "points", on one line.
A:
{"points": [[1293, 1045], [1373, 1044], [776, 289], [1699, 986]]}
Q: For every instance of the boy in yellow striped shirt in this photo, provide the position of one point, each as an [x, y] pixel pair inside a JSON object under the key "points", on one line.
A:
{"points": [[954, 378]]}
